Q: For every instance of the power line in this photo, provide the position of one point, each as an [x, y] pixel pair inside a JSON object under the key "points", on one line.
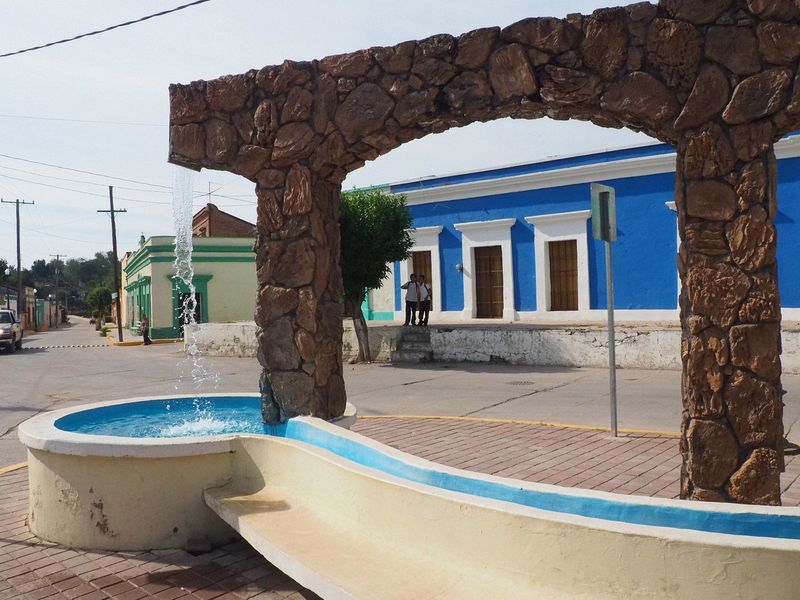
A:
{"points": [[167, 188], [83, 181], [58, 187], [44, 164], [104, 30]]}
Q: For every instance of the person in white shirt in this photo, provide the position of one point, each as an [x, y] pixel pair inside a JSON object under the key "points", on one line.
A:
{"points": [[425, 299], [412, 299]]}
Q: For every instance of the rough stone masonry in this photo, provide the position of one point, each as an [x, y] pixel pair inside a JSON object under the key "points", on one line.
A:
{"points": [[717, 79]]}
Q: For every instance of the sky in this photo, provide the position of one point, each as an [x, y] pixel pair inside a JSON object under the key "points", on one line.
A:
{"points": [[100, 105]]}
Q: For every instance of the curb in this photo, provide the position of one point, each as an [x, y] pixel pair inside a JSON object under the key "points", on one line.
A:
{"points": [[521, 422], [11, 468], [112, 342]]}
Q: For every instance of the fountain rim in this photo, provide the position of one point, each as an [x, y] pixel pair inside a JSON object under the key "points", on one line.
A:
{"points": [[41, 433]]}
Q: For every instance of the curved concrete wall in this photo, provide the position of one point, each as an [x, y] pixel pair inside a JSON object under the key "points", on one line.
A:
{"points": [[124, 503], [460, 534]]}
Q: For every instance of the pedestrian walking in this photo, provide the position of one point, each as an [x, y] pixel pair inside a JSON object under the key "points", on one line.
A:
{"points": [[412, 299], [145, 327], [425, 299]]}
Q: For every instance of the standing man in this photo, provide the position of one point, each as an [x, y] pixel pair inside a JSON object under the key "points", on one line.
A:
{"points": [[425, 298], [412, 299]]}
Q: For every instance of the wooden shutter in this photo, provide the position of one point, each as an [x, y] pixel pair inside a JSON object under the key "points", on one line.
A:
{"points": [[489, 282], [563, 275]]}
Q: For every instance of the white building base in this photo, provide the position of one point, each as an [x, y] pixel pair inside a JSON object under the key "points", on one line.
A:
{"points": [[637, 347]]}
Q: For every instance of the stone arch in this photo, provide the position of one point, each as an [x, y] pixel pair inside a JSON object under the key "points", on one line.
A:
{"points": [[717, 79]]}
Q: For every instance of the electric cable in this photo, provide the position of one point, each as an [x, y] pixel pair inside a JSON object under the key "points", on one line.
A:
{"points": [[104, 30], [167, 188]]}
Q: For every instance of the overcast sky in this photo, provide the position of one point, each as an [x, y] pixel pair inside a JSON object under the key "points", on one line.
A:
{"points": [[123, 76]]}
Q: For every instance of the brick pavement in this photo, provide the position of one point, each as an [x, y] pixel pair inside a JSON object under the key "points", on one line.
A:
{"points": [[640, 464], [34, 570], [634, 463]]}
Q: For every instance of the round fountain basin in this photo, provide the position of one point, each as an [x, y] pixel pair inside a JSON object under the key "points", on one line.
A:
{"points": [[131, 475]]}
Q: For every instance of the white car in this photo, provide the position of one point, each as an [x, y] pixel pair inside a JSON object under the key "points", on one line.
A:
{"points": [[10, 331]]}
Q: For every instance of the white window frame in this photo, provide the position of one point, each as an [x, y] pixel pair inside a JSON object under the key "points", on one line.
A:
{"points": [[479, 234], [426, 239], [558, 227], [673, 207]]}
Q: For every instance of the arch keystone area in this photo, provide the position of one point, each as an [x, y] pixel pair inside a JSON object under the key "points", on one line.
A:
{"points": [[717, 79]]}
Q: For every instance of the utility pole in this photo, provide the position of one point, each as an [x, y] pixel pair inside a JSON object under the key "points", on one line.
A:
{"points": [[58, 257], [116, 262], [21, 300]]}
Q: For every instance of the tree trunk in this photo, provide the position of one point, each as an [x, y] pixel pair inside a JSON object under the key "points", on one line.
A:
{"points": [[353, 308]]}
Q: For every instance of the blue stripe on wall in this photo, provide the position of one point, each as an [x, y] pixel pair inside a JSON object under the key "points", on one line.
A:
{"points": [[398, 296], [644, 255], [787, 222]]}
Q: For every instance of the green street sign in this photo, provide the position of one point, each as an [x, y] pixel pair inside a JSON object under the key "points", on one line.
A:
{"points": [[604, 213]]}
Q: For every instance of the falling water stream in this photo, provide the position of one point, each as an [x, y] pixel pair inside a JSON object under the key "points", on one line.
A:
{"points": [[203, 379]]}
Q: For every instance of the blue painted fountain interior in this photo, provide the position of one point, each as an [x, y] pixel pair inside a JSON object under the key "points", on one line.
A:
{"points": [[205, 416]]}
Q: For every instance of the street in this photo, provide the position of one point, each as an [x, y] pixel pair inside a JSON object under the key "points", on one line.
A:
{"points": [[66, 367]]}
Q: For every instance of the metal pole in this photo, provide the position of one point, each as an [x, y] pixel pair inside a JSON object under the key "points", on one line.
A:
{"points": [[58, 264], [612, 362], [116, 262], [21, 300]]}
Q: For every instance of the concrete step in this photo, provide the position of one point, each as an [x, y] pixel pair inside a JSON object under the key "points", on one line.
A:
{"points": [[412, 356], [417, 334]]}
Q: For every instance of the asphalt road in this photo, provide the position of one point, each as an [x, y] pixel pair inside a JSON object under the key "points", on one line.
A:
{"points": [[60, 368]]}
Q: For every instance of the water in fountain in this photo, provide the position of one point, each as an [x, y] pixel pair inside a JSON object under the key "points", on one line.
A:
{"points": [[202, 378]]}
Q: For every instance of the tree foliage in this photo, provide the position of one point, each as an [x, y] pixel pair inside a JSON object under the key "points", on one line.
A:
{"points": [[100, 299], [374, 229], [74, 277]]}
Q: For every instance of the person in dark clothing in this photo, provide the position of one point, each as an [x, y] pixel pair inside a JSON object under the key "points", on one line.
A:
{"points": [[425, 299], [145, 326], [412, 299]]}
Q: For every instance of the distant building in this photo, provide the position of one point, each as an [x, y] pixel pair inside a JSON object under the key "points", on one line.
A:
{"points": [[210, 221], [515, 243], [224, 276]]}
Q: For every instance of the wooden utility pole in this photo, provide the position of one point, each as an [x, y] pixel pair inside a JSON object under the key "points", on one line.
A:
{"points": [[21, 300], [58, 259], [116, 262]]}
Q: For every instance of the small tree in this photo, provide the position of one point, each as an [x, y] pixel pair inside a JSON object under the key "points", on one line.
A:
{"points": [[374, 229], [100, 299]]}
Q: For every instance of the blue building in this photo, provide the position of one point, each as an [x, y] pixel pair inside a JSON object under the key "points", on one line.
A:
{"points": [[515, 243]]}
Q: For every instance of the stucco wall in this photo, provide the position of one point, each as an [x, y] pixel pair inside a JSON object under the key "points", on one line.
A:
{"points": [[381, 300], [227, 339], [644, 253], [636, 347], [231, 290], [161, 295]]}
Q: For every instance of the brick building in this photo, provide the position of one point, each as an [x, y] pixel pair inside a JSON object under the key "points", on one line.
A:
{"points": [[210, 221]]}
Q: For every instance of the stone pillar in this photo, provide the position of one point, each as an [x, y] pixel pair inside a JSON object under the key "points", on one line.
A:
{"points": [[731, 430], [298, 312]]}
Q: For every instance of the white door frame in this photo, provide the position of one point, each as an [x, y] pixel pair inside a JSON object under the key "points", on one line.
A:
{"points": [[426, 239], [481, 234], [553, 228]]}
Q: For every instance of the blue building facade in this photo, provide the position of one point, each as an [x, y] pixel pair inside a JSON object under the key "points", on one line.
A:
{"points": [[515, 243]]}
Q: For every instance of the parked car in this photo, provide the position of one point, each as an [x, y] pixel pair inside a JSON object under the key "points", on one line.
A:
{"points": [[10, 331]]}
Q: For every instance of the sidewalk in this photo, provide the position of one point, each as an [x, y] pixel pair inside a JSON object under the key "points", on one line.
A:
{"points": [[638, 463]]}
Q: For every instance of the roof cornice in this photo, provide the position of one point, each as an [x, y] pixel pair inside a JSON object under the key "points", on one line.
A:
{"points": [[602, 171]]}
